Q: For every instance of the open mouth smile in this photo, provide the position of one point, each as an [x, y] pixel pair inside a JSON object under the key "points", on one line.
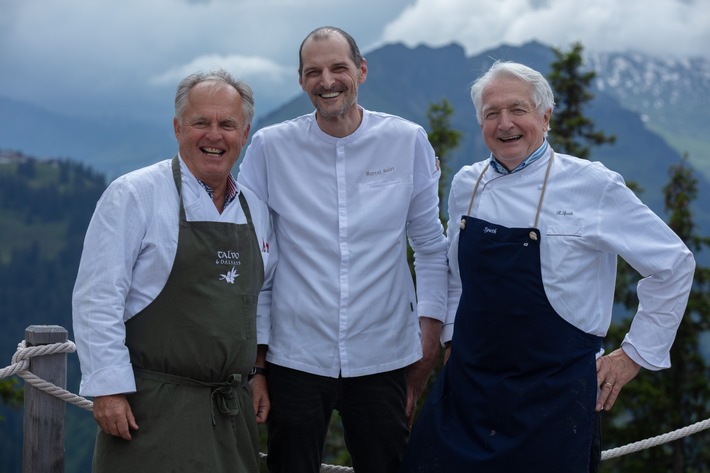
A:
{"points": [[212, 151], [510, 139]]}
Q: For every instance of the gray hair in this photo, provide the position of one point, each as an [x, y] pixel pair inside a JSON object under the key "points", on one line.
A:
{"points": [[219, 76], [542, 95]]}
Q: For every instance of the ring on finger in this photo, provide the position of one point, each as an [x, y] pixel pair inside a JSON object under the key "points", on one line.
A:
{"points": [[609, 384]]}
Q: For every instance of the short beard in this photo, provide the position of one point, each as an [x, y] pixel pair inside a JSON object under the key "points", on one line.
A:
{"points": [[333, 114]]}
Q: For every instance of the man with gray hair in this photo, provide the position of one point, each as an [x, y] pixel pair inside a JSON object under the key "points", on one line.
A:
{"points": [[165, 300], [534, 238]]}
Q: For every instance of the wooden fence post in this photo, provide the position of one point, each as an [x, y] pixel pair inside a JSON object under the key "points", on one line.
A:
{"points": [[43, 433]]}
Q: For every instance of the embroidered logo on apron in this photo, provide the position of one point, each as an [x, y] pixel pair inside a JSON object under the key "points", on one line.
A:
{"points": [[230, 276]]}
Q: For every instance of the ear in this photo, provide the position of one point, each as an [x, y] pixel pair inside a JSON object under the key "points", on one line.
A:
{"points": [[176, 126], [246, 134], [363, 71], [546, 119]]}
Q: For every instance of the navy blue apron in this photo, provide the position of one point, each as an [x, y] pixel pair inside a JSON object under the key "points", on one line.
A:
{"points": [[518, 392]]}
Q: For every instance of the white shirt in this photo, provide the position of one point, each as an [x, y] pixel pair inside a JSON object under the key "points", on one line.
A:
{"points": [[128, 253], [343, 298], [588, 217]]}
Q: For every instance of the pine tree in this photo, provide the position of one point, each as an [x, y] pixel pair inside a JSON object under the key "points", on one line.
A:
{"points": [[654, 402], [443, 139], [571, 88], [658, 402]]}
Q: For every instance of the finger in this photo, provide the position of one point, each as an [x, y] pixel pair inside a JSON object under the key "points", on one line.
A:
{"points": [[131, 420], [613, 395], [410, 418], [256, 405], [601, 399], [409, 403], [263, 411], [111, 428], [409, 408], [604, 390], [603, 370], [608, 392], [105, 427], [262, 414], [122, 430]]}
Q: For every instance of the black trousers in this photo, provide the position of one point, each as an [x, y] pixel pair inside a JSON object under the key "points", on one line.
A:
{"points": [[372, 412]]}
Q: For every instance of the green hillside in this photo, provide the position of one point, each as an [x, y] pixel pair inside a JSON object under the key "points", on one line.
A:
{"points": [[45, 207]]}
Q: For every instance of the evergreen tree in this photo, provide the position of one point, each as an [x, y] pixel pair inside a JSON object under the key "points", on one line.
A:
{"points": [[45, 209], [658, 402], [11, 392], [443, 139], [571, 88]]}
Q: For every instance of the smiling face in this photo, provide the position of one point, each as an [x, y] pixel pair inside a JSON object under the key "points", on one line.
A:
{"points": [[211, 132], [512, 127], [331, 79]]}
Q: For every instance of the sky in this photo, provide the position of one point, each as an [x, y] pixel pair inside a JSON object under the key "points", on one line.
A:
{"points": [[124, 58]]}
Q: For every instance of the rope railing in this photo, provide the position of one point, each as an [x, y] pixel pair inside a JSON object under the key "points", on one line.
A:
{"points": [[21, 363]]}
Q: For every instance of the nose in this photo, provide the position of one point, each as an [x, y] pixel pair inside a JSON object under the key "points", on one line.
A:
{"points": [[327, 80], [213, 132], [504, 119]]}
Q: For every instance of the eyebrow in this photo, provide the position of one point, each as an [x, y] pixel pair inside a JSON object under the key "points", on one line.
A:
{"points": [[308, 69], [224, 121], [514, 103]]}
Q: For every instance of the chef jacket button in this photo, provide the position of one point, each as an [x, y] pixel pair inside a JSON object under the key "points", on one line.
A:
{"points": [[462, 224]]}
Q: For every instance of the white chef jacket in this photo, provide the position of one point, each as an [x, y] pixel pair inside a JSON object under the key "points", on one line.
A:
{"points": [[588, 217], [128, 253], [343, 299]]}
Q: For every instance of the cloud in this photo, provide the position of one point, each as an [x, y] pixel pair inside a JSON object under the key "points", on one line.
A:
{"points": [[659, 27], [105, 57], [243, 67], [266, 78]]}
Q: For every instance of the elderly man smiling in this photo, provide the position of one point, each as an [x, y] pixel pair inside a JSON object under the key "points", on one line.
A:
{"points": [[533, 242], [165, 300]]}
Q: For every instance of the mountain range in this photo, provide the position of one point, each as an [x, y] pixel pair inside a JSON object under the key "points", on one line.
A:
{"points": [[656, 107]]}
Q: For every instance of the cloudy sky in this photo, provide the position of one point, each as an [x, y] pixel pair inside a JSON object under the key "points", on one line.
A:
{"points": [[123, 58]]}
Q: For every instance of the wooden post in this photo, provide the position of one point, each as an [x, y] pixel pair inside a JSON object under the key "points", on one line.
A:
{"points": [[43, 434]]}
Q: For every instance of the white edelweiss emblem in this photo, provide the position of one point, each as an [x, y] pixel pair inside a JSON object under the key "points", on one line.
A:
{"points": [[230, 276]]}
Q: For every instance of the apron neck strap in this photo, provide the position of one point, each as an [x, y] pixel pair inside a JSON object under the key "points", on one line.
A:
{"points": [[177, 176], [542, 193]]}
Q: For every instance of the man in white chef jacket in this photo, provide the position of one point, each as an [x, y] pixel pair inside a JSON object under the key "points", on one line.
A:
{"points": [[534, 237], [344, 329], [165, 300]]}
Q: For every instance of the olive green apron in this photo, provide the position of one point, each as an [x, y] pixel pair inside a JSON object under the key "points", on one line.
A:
{"points": [[191, 350]]}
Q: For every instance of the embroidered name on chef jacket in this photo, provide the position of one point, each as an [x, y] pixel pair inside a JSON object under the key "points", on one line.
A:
{"points": [[380, 172]]}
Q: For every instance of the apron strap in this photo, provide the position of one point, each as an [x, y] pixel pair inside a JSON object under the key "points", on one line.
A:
{"points": [[177, 176], [539, 203], [544, 186], [223, 395]]}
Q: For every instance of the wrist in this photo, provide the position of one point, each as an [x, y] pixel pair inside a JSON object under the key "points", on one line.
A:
{"points": [[258, 370]]}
